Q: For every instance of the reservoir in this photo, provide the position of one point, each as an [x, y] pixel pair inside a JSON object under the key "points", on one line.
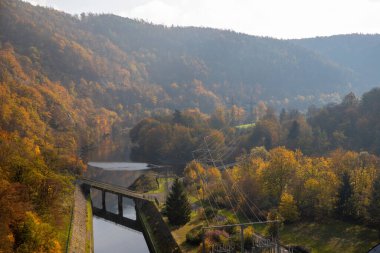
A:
{"points": [[109, 236]]}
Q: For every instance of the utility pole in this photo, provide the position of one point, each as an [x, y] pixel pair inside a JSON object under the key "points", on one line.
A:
{"points": [[242, 238], [203, 240], [209, 152], [272, 244], [278, 237]]}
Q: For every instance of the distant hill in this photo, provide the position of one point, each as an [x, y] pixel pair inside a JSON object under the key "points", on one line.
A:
{"points": [[230, 65], [140, 67], [357, 52]]}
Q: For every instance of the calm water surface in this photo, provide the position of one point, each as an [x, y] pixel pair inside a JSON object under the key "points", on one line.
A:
{"points": [[109, 236], [120, 165]]}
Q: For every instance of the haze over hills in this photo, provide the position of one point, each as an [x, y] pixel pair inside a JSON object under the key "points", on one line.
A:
{"points": [[357, 52], [118, 61]]}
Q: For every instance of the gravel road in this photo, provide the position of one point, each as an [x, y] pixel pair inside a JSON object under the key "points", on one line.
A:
{"points": [[78, 237]]}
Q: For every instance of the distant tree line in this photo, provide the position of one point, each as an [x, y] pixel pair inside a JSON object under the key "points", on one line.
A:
{"points": [[351, 125]]}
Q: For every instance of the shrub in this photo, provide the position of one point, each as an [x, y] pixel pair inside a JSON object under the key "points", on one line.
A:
{"points": [[217, 236], [248, 234], [194, 236], [230, 221], [210, 212]]}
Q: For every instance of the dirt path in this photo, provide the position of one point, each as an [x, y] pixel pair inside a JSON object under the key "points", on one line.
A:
{"points": [[78, 237]]}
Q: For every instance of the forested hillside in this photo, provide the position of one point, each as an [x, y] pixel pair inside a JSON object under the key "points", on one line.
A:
{"points": [[320, 167], [134, 66], [230, 65], [360, 53], [72, 84], [351, 125], [45, 135]]}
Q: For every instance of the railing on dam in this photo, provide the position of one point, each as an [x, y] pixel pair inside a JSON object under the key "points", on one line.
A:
{"points": [[118, 190], [149, 220]]}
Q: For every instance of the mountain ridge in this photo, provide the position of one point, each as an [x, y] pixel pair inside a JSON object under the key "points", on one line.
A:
{"points": [[161, 66]]}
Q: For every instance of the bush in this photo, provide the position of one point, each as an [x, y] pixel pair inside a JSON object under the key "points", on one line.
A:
{"points": [[210, 212], [218, 236], [248, 234], [194, 236], [213, 237], [232, 230], [272, 228]]}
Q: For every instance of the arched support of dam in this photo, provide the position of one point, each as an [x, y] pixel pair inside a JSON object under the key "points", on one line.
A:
{"points": [[148, 218]]}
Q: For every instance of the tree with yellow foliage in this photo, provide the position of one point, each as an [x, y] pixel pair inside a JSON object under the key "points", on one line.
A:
{"points": [[32, 236], [194, 175], [288, 208], [280, 171]]}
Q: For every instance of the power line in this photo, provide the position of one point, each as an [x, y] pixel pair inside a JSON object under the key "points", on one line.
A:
{"points": [[243, 195], [211, 149], [229, 200], [210, 194], [227, 153]]}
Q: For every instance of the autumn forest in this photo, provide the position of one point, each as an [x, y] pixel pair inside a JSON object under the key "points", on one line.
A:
{"points": [[297, 119]]}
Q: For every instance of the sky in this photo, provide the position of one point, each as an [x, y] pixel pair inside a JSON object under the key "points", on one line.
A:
{"points": [[274, 18]]}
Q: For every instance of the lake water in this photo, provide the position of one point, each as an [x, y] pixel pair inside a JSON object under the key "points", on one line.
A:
{"points": [[109, 236], [129, 166]]}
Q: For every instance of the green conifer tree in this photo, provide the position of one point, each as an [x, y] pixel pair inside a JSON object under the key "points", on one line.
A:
{"points": [[177, 205]]}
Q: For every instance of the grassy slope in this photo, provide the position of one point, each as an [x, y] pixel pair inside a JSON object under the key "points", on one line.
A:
{"points": [[331, 236], [89, 229], [161, 185], [336, 236], [65, 231], [179, 234], [246, 126]]}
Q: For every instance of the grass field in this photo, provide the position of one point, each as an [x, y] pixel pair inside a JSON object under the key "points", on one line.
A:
{"points": [[64, 231], [335, 236], [179, 234], [162, 185], [331, 236], [323, 237], [245, 126]]}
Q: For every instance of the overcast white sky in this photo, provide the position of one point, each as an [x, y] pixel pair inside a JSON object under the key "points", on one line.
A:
{"points": [[275, 18]]}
